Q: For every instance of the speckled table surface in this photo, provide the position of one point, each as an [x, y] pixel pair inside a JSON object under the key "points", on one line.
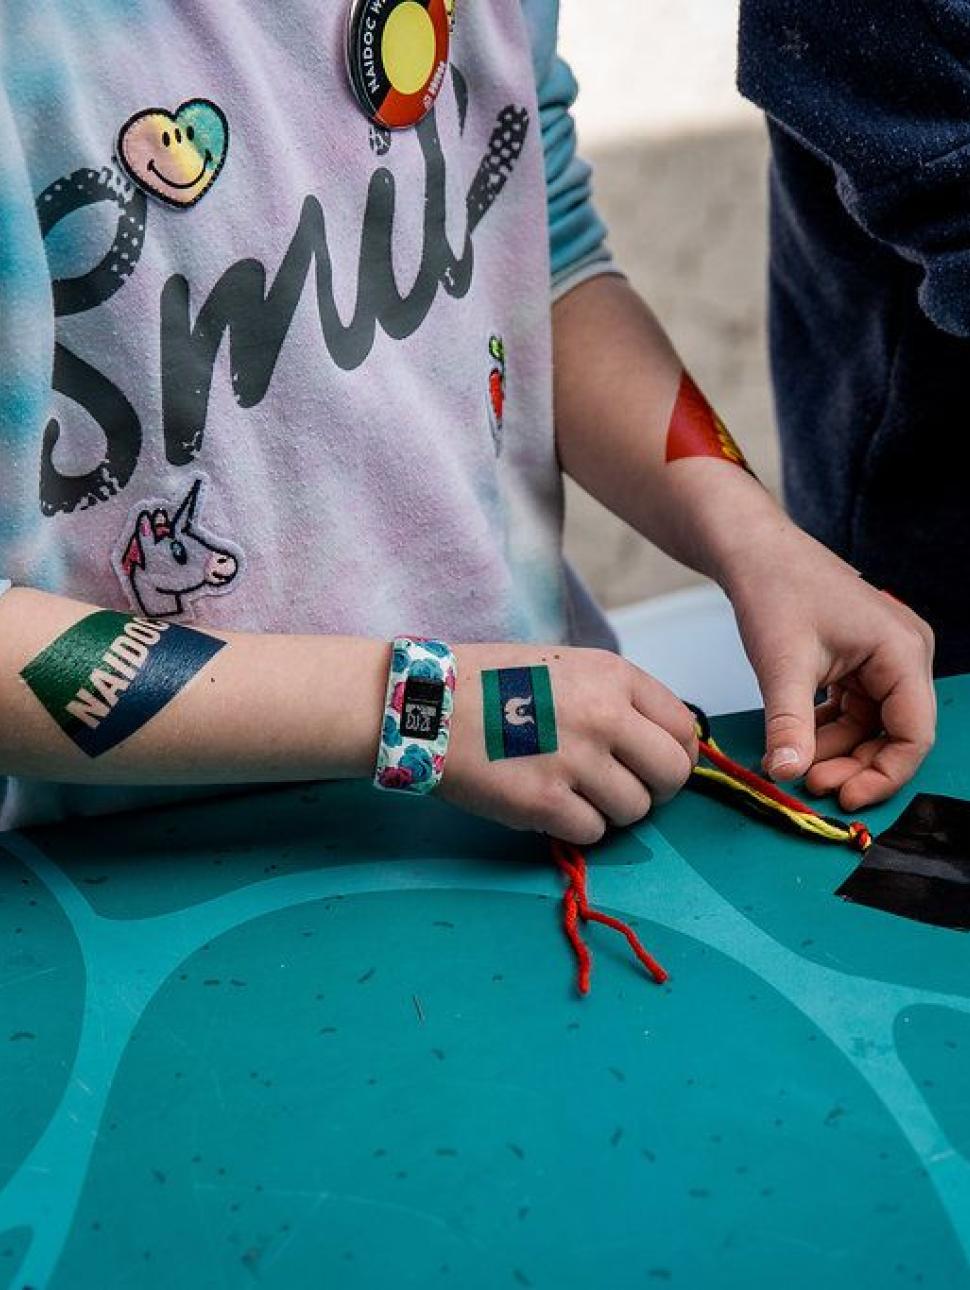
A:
{"points": [[320, 1038]]}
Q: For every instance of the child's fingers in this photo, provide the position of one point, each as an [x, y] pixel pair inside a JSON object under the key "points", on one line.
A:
{"points": [[660, 707], [893, 693], [839, 737], [615, 792], [655, 757], [565, 814]]}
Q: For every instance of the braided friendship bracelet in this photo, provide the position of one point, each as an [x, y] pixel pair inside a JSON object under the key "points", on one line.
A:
{"points": [[751, 792], [731, 782], [417, 716]]}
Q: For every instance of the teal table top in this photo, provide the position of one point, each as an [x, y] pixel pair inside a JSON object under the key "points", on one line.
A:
{"points": [[318, 1037]]}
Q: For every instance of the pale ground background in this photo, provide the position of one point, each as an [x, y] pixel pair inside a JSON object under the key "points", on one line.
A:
{"points": [[681, 182]]}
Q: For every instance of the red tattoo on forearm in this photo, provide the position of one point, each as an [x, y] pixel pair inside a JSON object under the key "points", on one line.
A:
{"points": [[696, 430]]}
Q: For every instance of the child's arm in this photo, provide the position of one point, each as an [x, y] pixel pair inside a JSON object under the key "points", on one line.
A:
{"points": [[199, 706], [806, 618], [261, 708]]}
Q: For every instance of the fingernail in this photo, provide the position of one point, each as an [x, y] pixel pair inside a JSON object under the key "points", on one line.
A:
{"points": [[782, 758]]}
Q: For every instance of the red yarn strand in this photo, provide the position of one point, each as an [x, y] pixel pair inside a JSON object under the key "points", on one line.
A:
{"points": [[584, 962], [572, 863], [765, 786], [659, 974]]}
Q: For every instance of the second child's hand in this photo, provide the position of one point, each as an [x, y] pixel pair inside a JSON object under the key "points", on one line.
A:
{"points": [[809, 622]]}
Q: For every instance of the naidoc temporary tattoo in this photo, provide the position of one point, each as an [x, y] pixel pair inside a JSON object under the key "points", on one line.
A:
{"points": [[417, 715], [166, 560], [109, 674], [696, 430], [519, 712], [496, 389], [175, 156]]}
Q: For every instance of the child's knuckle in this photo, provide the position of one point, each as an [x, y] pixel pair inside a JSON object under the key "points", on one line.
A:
{"points": [[636, 809], [550, 803], [587, 833]]}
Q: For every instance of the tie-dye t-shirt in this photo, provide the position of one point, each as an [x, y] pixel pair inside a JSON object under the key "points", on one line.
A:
{"points": [[264, 365]]}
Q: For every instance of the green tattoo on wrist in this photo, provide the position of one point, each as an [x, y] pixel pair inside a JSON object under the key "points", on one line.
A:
{"points": [[110, 673], [519, 713]]}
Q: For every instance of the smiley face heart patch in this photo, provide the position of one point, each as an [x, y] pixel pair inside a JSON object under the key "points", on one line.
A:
{"points": [[175, 156]]}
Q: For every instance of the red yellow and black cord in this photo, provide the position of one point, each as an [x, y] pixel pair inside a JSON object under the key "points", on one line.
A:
{"points": [[728, 781]]}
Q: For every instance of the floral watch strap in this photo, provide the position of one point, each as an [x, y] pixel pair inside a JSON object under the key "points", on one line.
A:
{"points": [[417, 716]]}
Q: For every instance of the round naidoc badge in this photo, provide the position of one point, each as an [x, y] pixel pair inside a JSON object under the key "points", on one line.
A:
{"points": [[397, 57]]}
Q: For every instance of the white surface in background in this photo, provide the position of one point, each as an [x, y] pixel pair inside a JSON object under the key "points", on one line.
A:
{"points": [[652, 67], [689, 640]]}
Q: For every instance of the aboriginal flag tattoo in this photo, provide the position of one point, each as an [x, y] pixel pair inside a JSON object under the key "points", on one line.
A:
{"points": [[696, 430]]}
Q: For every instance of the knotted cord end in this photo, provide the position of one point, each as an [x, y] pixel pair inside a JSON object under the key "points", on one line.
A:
{"points": [[860, 836]]}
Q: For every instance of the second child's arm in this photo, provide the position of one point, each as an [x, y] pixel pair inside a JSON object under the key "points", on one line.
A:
{"points": [[807, 619]]}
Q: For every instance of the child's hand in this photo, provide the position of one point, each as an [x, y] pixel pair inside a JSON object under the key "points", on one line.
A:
{"points": [[624, 740], [808, 622]]}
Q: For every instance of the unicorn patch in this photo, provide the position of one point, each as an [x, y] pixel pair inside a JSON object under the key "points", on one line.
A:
{"points": [[166, 560]]}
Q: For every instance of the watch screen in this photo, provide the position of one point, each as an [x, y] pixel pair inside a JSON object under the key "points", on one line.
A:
{"points": [[421, 709]]}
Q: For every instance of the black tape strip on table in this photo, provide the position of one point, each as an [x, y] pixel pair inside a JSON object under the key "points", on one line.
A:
{"points": [[920, 867]]}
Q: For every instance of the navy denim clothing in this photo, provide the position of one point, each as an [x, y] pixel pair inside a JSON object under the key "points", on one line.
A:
{"points": [[869, 111]]}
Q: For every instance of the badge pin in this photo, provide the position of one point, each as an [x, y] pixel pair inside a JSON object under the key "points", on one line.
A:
{"points": [[397, 57]]}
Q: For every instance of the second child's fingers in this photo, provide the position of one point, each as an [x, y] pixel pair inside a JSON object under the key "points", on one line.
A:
{"points": [[856, 720], [876, 769], [828, 776], [788, 686], [902, 684], [895, 763], [828, 711]]}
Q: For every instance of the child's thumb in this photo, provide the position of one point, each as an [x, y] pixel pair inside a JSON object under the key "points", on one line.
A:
{"points": [[789, 695]]}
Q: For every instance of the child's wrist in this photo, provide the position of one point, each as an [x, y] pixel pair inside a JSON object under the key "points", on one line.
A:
{"points": [[360, 706], [773, 538], [731, 531]]}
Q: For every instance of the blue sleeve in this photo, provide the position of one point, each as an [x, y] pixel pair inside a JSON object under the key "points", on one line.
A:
{"points": [[880, 89], [577, 235]]}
